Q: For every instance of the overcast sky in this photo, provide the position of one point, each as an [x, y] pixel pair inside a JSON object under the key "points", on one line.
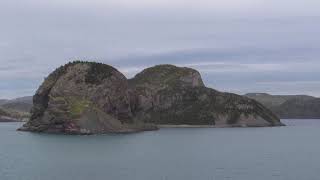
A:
{"points": [[237, 45]]}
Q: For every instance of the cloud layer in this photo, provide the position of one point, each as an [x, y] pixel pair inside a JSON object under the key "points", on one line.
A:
{"points": [[238, 46]]}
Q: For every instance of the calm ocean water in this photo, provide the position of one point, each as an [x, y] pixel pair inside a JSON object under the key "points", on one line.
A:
{"points": [[279, 153]]}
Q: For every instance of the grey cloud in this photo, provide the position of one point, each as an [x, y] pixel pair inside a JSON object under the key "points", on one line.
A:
{"points": [[237, 51]]}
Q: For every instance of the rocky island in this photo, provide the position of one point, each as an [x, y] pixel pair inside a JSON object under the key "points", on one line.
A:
{"points": [[88, 98]]}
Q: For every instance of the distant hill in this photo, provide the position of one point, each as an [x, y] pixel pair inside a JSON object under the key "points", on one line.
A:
{"points": [[23, 104], [25, 99], [7, 115], [3, 112], [2, 101], [290, 106], [15, 109], [299, 108]]}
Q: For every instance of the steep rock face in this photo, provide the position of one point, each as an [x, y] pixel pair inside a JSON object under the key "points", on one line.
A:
{"points": [[83, 98], [168, 94]]}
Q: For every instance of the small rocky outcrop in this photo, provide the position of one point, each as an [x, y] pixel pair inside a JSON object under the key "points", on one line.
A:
{"points": [[86, 98]]}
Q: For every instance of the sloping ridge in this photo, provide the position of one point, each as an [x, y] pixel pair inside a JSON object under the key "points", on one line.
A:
{"points": [[290, 106]]}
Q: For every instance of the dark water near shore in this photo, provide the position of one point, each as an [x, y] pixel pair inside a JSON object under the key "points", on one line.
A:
{"points": [[279, 153]]}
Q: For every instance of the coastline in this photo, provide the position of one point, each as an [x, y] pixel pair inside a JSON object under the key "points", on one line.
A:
{"points": [[185, 126], [214, 126]]}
